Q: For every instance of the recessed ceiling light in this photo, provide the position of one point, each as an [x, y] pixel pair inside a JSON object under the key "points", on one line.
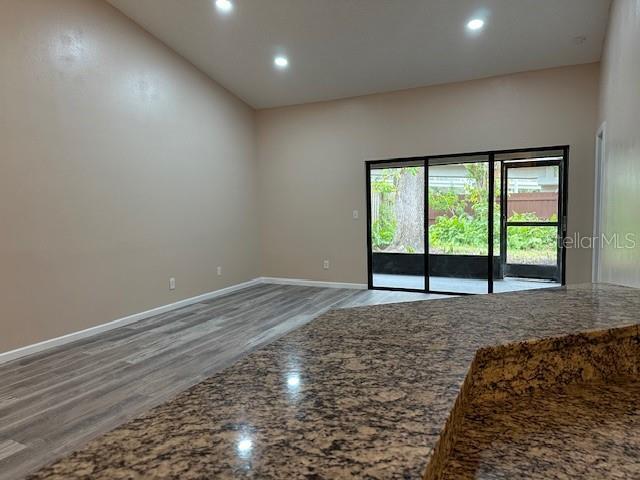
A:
{"points": [[281, 61], [475, 24], [224, 6]]}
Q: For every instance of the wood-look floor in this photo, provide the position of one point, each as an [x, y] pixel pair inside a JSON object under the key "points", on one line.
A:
{"points": [[55, 401]]}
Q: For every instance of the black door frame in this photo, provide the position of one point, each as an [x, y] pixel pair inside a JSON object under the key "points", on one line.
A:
{"points": [[504, 203], [491, 154]]}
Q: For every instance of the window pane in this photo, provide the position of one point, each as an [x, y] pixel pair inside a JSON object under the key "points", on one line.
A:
{"points": [[397, 226], [458, 226], [458, 209], [532, 245], [533, 193]]}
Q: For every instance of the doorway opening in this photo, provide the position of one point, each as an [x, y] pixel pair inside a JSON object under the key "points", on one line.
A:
{"points": [[488, 222]]}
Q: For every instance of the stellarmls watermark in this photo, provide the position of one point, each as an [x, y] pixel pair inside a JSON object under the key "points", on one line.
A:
{"points": [[614, 240]]}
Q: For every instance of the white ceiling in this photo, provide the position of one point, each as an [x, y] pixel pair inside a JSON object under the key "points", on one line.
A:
{"points": [[344, 48]]}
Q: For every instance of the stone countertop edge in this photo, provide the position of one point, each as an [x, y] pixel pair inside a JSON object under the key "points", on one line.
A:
{"points": [[582, 347]]}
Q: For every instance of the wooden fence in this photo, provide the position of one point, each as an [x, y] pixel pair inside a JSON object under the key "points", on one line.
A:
{"points": [[543, 204]]}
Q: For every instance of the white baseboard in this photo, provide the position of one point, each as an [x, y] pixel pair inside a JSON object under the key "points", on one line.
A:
{"points": [[312, 283], [121, 322], [136, 317]]}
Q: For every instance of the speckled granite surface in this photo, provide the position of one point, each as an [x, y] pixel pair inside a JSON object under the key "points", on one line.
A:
{"points": [[366, 392], [511, 371], [588, 431]]}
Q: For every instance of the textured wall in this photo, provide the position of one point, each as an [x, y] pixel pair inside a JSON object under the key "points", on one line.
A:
{"points": [[620, 109], [122, 165], [311, 158]]}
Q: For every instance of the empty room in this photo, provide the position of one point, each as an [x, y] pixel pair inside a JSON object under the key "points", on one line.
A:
{"points": [[320, 239]]}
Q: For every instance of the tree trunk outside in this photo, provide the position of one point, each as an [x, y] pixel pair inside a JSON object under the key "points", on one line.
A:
{"points": [[409, 212]]}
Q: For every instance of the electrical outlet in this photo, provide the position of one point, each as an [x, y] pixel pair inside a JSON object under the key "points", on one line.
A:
{"points": [[325, 264], [219, 270], [172, 283], [356, 214]]}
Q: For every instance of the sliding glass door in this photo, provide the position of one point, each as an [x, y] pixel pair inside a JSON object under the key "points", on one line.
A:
{"points": [[458, 206], [397, 231], [489, 222]]}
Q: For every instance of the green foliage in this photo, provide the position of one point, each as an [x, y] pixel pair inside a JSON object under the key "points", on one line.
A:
{"points": [[531, 238], [462, 228], [458, 234], [384, 228], [446, 201], [382, 186]]}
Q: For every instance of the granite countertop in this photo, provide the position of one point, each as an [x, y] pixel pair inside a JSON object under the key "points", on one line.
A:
{"points": [[510, 440], [357, 393]]}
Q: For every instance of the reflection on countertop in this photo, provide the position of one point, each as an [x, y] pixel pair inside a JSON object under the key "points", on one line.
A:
{"points": [[369, 391]]}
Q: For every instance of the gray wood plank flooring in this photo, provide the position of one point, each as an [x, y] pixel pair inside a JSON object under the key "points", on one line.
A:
{"points": [[53, 402]]}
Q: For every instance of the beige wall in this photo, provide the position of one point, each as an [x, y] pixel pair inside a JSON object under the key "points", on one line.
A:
{"points": [[121, 165], [311, 158], [620, 108]]}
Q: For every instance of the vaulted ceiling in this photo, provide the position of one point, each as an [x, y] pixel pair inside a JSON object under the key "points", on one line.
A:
{"points": [[344, 48]]}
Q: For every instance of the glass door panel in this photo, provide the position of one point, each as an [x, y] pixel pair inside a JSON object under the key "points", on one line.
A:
{"points": [[397, 225], [458, 200], [530, 245], [533, 193]]}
